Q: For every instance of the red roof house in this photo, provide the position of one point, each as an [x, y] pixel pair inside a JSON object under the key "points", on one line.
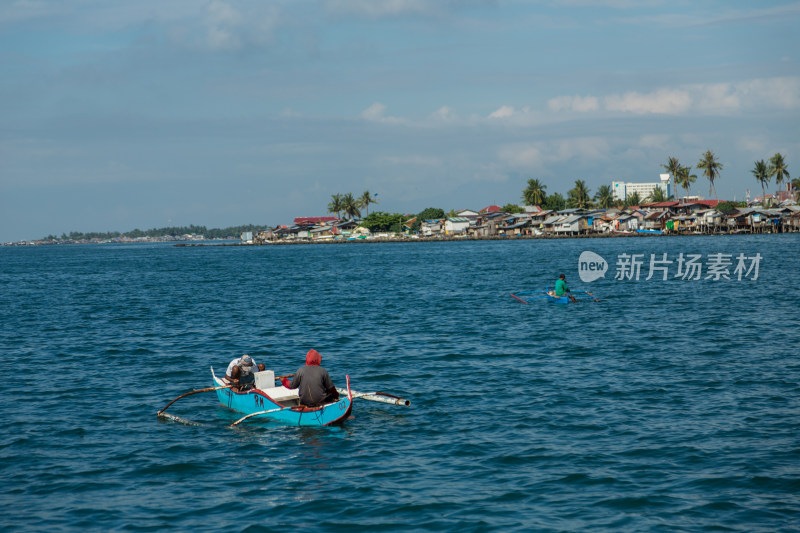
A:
{"points": [[313, 220]]}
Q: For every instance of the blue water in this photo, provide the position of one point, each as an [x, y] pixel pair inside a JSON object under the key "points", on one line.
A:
{"points": [[667, 406]]}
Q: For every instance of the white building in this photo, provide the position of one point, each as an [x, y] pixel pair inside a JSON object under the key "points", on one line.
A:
{"points": [[622, 189], [456, 225]]}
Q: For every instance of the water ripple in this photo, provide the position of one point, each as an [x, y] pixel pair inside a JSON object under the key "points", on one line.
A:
{"points": [[669, 405]]}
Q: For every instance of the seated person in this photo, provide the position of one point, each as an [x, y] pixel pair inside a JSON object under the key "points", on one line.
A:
{"points": [[313, 382], [562, 289], [240, 372]]}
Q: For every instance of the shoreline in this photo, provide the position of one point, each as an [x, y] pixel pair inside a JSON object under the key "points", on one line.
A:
{"points": [[472, 239]]}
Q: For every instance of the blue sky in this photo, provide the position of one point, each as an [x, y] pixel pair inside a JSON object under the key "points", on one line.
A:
{"points": [[122, 115]]}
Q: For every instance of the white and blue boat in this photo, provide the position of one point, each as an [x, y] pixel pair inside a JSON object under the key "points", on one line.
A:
{"points": [[281, 404]]}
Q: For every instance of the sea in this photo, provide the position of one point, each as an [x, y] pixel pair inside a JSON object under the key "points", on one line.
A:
{"points": [[671, 404]]}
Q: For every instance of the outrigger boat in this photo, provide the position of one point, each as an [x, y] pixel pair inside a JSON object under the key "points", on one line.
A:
{"points": [[549, 295], [280, 404]]}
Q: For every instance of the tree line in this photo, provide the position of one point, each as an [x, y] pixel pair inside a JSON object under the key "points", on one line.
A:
{"points": [[579, 196], [350, 205], [208, 233]]}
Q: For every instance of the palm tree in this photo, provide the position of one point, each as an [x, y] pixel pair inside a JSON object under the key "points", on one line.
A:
{"points": [[633, 199], [657, 195], [762, 174], [673, 167], [366, 199], [711, 169], [534, 193], [604, 198], [336, 205], [685, 178], [350, 206], [777, 168], [579, 195]]}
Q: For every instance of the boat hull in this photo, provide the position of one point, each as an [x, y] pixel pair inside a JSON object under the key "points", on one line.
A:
{"points": [[255, 401], [527, 297]]}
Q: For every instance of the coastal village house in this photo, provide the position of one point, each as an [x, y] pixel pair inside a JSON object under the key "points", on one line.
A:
{"points": [[688, 216]]}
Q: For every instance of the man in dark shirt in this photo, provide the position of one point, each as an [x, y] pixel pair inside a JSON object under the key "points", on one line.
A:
{"points": [[313, 382]]}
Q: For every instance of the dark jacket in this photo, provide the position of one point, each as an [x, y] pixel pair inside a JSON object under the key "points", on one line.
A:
{"points": [[314, 385]]}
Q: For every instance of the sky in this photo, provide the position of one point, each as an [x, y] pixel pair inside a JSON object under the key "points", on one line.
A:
{"points": [[118, 115]]}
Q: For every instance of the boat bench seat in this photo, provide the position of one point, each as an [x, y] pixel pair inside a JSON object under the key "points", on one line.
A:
{"points": [[282, 394]]}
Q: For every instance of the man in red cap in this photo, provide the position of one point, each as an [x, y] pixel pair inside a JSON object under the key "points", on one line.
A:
{"points": [[313, 382]]}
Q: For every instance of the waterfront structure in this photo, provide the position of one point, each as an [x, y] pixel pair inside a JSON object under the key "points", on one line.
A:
{"points": [[622, 189], [456, 225]]}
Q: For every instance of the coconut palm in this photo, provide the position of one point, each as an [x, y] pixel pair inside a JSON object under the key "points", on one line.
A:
{"points": [[672, 166], [350, 206], [777, 168], [604, 197], [633, 199], [366, 199], [579, 195], [711, 169], [685, 178], [762, 174], [534, 193], [658, 195], [336, 205]]}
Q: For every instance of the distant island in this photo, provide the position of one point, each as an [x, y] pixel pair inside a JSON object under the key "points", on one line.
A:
{"points": [[168, 234]]}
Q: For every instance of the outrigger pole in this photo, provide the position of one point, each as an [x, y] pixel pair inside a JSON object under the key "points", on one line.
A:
{"points": [[380, 397], [209, 389]]}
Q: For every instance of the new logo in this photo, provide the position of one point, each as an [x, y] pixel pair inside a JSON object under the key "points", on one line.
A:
{"points": [[591, 267]]}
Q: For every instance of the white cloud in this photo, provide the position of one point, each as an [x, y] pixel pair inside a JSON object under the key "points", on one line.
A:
{"points": [[226, 28], [708, 99], [503, 112], [592, 148], [223, 22], [574, 103], [716, 97], [444, 114], [383, 8], [662, 101], [781, 92], [754, 145], [522, 155], [376, 113], [542, 153]]}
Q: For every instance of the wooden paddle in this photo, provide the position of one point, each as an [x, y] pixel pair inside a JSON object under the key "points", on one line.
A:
{"points": [[190, 393]]}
